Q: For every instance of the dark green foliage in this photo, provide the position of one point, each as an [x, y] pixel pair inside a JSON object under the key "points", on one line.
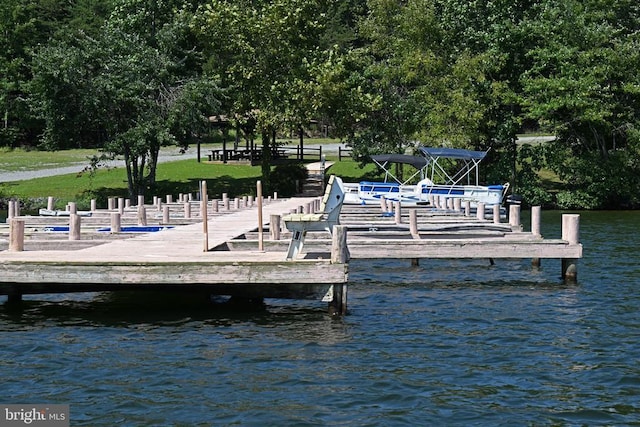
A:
{"points": [[287, 178], [129, 76]]}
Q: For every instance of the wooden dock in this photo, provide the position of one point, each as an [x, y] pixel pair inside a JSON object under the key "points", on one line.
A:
{"points": [[171, 259], [231, 256]]}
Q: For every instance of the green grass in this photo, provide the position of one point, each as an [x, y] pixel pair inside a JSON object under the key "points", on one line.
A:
{"points": [[172, 178], [12, 160], [176, 177]]}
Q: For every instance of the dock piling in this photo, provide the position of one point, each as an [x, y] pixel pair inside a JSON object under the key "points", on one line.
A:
{"points": [[514, 215], [259, 197], [339, 248], [204, 215], [16, 235], [570, 233], [413, 223], [74, 226], [116, 222], [274, 227]]}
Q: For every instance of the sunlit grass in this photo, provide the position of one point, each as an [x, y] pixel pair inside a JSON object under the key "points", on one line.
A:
{"points": [[12, 160], [173, 178]]}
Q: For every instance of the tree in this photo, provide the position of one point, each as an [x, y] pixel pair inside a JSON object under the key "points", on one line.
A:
{"points": [[25, 25], [265, 53], [584, 85], [129, 93]]}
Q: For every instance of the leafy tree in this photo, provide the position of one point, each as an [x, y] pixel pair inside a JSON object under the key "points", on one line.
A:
{"points": [[265, 53], [127, 92], [585, 86], [25, 25]]}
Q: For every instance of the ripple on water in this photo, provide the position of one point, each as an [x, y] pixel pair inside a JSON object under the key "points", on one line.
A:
{"points": [[442, 343]]}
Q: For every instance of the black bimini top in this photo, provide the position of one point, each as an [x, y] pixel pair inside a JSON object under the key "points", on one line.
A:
{"points": [[417, 162], [453, 153]]}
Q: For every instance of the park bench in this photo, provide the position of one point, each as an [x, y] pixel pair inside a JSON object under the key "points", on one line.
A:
{"points": [[329, 215]]}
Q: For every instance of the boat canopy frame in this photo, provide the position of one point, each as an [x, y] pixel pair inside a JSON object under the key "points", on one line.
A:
{"points": [[469, 159], [383, 161]]}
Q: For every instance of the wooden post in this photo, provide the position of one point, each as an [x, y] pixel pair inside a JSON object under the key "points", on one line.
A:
{"points": [[73, 208], [74, 226], [204, 215], [480, 210], [121, 205], [398, 212], [214, 205], [496, 214], [187, 209], [514, 215], [13, 209], [165, 214], [339, 248], [16, 235], [413, 226], [535, 231], [116, 222], [94, 205], [413, 223], [259, 199], [274, 227], [467, 208], [570, 233], [142, 215], [535, 220], [338, 304], [383, 204], [389, 206], [170, 198], [111, 203], [457, 204], [50, 203]]}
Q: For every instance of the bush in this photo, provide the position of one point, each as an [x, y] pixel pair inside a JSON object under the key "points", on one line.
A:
{"points": [[284, 178]]}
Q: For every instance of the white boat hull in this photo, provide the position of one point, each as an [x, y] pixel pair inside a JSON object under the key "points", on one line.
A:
{"points": [[423, 193]]}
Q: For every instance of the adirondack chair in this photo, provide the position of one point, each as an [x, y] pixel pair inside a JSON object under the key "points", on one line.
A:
{"points": [[324, 220]]}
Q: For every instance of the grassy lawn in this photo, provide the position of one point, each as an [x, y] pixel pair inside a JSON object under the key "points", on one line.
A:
{"points": [[182, 176], [21, 160]]}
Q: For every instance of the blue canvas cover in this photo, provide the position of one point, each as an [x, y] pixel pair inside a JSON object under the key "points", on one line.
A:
{"points": [[453, 153]]}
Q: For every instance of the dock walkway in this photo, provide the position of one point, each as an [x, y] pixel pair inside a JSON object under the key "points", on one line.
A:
{"points": [[238, 261], [175, 259]]}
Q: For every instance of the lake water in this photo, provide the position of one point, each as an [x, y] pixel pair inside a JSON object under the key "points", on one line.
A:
{"points": [[444, 343]]}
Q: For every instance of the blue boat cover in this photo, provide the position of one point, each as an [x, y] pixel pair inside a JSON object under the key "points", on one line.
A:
{"points": [[415, 161], [453, 153]]}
